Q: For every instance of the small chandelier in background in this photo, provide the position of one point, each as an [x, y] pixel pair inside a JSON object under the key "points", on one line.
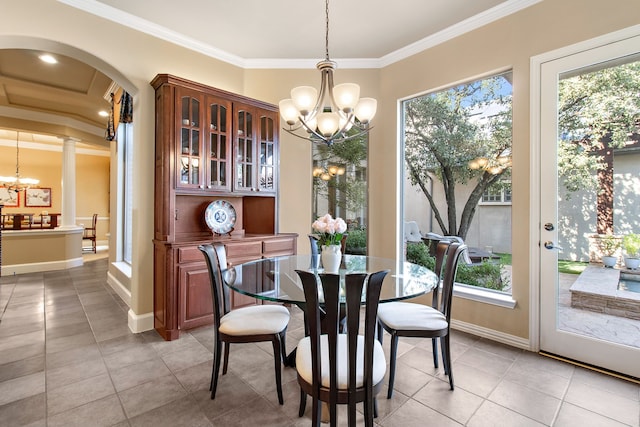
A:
{"points": [[492, 166], [16, 183], [327, 116], [328, 173]]}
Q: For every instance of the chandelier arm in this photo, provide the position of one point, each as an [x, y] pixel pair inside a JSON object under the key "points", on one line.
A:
{"points": [[355, 135], [324, 81], [332, 100], [307, 138]]}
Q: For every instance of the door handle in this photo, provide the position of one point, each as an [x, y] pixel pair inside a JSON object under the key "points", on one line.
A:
{"points": [[550, 245]]}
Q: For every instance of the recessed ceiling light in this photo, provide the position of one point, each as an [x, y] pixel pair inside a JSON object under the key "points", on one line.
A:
{"points": [[103, 113], [49, 59]]}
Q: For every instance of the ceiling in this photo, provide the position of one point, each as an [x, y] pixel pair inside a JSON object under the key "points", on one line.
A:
{"points": [[69, 94], [248, 33], [294, 29]]}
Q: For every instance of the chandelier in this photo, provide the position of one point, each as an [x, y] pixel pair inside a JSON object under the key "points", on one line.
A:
{"points": [[335, 114], [494, 166], [327, 173], [16, 183]]}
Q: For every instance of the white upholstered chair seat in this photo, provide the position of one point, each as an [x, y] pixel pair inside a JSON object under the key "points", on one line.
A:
{"points": [[255, 320], [410, 316], [304, 357]]}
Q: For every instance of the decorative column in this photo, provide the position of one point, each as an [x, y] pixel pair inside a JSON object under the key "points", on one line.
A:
{"points": [[69, 182]]}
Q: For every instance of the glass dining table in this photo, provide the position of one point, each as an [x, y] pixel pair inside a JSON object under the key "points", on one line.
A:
{"points": [[275, 279]]}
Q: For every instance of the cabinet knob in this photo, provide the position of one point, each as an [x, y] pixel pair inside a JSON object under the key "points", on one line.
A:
{"points": [[201, 186]]}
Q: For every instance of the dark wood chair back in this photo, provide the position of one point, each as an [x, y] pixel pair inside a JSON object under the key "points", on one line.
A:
{"points": [[323, 317], [456, 250], [215, 257], [441, 251]]}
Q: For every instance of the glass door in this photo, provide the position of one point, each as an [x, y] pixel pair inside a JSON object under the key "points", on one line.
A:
{"points": [[590, 181], [244, 150], [189, 141]]}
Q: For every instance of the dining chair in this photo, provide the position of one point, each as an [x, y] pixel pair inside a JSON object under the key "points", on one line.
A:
{"points": [[405, 319], [340, 368], [89, 233], [242, 325]]}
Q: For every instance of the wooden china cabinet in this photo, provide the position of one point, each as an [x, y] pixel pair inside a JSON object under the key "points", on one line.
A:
{"points": [[211, 145]]}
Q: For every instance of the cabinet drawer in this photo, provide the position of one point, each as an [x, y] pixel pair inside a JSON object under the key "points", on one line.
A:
{"points": [[190, 254], [244, 250], [280, 246]]}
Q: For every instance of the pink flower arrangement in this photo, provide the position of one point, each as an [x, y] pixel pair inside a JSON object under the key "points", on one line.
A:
{"points": [[329, 230]]}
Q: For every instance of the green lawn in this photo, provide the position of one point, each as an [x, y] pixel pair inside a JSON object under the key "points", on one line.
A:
{"points": [[570, 267]]}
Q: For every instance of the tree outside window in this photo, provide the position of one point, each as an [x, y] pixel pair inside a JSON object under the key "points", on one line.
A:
{"points": [[457, 149]]}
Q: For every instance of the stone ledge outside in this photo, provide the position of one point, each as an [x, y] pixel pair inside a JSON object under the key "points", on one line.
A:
{"points": [[596, 289]]}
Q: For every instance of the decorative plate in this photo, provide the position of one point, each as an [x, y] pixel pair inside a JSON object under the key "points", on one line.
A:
{"points": [[220, 216]]}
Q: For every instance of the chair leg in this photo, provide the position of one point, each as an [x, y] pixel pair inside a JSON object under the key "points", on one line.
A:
{"points": [[226, 357], [369, 411], [215, 370], [283, 346], [449, 367], [303, 403], [434, 349], [375, 407], [392, 364], [445, 349], [277, 357], [379, 332], [316, 413]]}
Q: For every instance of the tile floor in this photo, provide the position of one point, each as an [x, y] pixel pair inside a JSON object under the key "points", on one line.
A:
{"points": [[67, 358]]}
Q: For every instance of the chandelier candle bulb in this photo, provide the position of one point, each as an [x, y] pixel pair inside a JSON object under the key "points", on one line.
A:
{"points": [[304, 98], [366, 109], [346, 96], [288, 111]]}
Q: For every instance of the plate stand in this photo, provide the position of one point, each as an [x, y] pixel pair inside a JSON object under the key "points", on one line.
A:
{"points": [[228, 233]]}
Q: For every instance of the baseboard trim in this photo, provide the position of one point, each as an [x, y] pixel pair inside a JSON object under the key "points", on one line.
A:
{"points": [[492, 334], [120, 289], [36, 267], [140, 322]]}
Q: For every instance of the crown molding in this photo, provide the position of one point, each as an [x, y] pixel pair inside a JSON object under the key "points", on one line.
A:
{"points": [[118, 16], [456, 30]]}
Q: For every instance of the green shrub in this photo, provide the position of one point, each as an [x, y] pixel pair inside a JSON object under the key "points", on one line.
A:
{"points": [[418, 253], [356, 242], [485, 275]]}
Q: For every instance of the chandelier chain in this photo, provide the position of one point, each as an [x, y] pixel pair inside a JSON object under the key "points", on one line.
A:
{"points": [[326, 33]]}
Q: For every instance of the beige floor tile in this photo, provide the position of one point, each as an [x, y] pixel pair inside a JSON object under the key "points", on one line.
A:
{"points": [[604, 403], [526, 401]]}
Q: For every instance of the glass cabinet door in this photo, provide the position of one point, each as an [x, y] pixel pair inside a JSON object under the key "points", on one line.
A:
{"points": [[218, 155], [244, 151], [267, 156], [190, 149]]}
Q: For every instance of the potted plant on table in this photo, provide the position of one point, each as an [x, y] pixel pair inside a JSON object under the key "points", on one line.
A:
{"points": [[631, 244], [609, 244]]}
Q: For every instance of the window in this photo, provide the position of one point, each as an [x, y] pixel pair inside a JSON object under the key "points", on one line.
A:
{"points": [[457, 152], [497, 194], [125, 157], [340, 187]]}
